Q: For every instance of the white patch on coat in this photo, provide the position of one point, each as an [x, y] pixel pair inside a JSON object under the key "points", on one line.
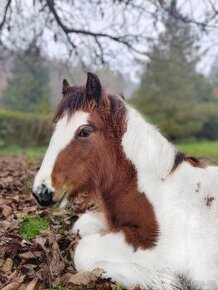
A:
{"points": [[89, 223], [121, 263], [63, 134]]}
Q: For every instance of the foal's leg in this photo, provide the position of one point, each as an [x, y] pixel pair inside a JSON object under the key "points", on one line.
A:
{"points": [[121, 263], [89, 223]]}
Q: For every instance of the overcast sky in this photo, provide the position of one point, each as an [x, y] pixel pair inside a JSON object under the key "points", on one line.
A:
{"points": [[86, 16], [195, 9]]}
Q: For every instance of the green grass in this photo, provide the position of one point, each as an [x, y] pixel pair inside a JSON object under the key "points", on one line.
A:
{"points": [[15, 150], [207, 150], [30, 227], [203, 149]]}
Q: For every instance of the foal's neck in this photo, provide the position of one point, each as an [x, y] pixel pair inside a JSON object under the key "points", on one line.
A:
{"points": [[147, 159], [151, 154]]}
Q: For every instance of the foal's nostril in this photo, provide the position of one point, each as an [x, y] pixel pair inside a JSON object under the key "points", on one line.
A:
{"points": [[46, 194], [44, 197]]}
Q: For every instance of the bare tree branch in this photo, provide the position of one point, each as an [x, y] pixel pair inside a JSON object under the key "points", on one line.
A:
{"points": [[133, 25], [5, 14], [95, 35]]}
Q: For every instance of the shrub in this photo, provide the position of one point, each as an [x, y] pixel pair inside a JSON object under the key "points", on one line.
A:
{"points": [[23, 129], [210, 129]]}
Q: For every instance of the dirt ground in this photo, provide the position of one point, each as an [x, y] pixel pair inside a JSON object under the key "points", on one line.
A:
{"points": [[43, 261]]}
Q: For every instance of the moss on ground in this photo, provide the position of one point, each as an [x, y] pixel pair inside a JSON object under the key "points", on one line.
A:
{"points": [[30, 227]]}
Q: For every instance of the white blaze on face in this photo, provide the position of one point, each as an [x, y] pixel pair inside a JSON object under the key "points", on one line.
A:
{"points": [[63, 134]]}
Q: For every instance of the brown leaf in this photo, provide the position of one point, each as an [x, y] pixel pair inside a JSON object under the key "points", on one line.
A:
{"points": [[7, 179], [1, 262], [22, 287], [2, 201], [55, 260], [29, 267], [27, 255], [8, 265], [21, 278], [10, 248], [11, 286], [98, 272], [37, 254], [65, 278], [6, 210], [13, 276], [85, 278], [60, 212], [16, 198], [33, 284], [135, 287], [41, 242], [14, 225]]}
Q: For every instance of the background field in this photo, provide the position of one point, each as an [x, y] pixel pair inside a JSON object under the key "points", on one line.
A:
{"points": [[205, 150]]}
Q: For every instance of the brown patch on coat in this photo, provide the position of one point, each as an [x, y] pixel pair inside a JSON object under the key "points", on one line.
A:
{"points": [[98, 164], [194, 162], [181, 157], [209, 200], [130, 211]]}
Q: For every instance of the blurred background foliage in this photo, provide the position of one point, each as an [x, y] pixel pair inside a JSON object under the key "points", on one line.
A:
{"points": [[171, 92], [28, 87]]}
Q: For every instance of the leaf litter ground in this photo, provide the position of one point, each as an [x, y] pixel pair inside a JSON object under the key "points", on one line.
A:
{"points": [[35, 243]]}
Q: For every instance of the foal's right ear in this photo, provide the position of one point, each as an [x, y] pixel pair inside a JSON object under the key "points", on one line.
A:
{"points": [[65, 86], [93, 88]]}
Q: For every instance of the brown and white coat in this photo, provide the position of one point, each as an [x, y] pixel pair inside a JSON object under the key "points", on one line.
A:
{"points": [[160, 219]]}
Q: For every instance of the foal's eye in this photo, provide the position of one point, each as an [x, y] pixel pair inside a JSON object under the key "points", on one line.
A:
{"points": [[85, 132]]}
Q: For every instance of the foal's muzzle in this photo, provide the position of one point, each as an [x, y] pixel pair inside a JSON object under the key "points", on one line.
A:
{"points": [[44, 197]]}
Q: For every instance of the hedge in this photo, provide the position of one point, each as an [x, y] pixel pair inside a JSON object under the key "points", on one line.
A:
{"points": [[210, 129], [23, 129]]}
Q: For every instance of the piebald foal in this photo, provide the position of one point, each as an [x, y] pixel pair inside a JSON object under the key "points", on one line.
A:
{"points": [[160, 223]]}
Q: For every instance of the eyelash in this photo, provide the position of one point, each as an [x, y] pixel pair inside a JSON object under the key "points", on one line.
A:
{"points": [[85, 132]]}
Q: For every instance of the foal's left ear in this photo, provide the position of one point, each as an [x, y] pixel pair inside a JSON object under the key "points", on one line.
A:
{"points": [[65, 86], [93, 88]]}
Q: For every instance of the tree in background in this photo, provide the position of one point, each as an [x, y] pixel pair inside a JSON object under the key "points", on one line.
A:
{"points": [[213, 75], [172, 94], [28, 88], [210, 126]]}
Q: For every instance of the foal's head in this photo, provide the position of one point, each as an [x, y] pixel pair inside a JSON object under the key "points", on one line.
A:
{"points": [[85, 149]]}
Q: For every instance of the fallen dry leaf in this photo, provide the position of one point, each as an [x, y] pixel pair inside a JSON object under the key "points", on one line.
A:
{"points": [[11, 286], [6, 210], [55, 260], [135, 287], [85, 278], [27, 255], [8, 264], [32, 285]]}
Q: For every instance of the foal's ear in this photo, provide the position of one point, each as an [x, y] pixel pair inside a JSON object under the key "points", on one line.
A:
{"points": [[65, 86], [93, 88]]}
